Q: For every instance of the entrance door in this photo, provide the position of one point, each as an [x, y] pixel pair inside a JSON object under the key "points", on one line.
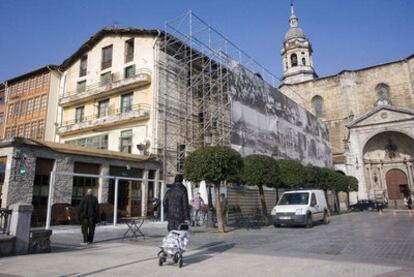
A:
{"points": [[396, 182]]}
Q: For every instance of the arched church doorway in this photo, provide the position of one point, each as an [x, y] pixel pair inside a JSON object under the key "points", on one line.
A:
{"points": [[397, 184]]}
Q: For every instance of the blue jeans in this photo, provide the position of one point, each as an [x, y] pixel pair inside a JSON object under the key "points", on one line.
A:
{"points": [[195, 216]]}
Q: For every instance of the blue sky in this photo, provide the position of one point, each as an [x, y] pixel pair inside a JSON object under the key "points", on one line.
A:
{"points": [[345, 34]]}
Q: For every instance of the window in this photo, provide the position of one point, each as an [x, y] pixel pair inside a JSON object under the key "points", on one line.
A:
{"points": [[313, 200], [99, 142], [43, 104], [79, 114], [36, 104], [294, 198], [33, 134], [126, 102], [106, 78], [103, 108], [30, 106], [129, 71], [11, 111], [81, 86], [20, 130], [317, 102], [129, 50], [23, 107], [106, 57], [17, 109], [7, 135], [83, 66], [1, 100], [27, 130], [293, 60], [1, 118], [41, 129], [303, 61], [80, 185], [126, 141], [383, 95]]}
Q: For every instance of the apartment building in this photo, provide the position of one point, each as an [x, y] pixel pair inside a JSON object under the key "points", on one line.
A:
{"points": [[107, 92], [31, 104]]}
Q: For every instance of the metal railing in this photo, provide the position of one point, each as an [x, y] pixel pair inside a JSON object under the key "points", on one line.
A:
{"points": [[107, 83], [110, 112], [5, 217]]}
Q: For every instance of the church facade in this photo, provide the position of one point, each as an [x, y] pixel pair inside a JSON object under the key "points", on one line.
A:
{"points": [[369, 113]]}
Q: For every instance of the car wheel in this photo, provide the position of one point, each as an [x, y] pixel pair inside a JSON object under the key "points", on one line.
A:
{"points": [[325, 219], [309, 221], [276, 225]]}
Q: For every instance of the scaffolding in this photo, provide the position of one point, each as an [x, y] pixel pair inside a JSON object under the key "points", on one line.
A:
{"points": [[194, 64]]}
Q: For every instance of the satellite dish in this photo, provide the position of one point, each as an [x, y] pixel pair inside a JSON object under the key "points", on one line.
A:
{"points": [[144, 146]]}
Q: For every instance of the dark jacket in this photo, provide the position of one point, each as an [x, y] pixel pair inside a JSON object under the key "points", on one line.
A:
{"points": [[176, 203], [89, 207]]}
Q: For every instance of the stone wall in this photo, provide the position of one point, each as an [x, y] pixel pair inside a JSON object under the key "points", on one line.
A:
{"points": [[354, 91]]}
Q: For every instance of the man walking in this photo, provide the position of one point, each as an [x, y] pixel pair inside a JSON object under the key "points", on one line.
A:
{"points": [[176, 204], [88, 211]]}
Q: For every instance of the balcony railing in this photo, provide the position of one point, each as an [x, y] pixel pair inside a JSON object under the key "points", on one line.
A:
{"points": [[111, 85], [113, 116]]}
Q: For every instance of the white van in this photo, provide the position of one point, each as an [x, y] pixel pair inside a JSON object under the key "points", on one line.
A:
{"points": [[301, 207]]}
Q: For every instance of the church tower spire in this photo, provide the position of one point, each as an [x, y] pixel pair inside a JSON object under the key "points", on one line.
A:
{"points": [[296, 53]]}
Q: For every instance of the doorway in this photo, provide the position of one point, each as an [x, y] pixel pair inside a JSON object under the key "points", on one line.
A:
{"points": [[397, 184]]}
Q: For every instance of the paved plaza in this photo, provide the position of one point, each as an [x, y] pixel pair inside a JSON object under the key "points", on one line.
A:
{"points": [[356, 244]]}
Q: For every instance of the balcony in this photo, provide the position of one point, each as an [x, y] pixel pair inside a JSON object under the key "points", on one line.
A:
{"points": [[114, 117], [114, 85]]}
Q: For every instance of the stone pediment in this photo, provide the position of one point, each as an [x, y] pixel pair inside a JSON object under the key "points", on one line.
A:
{"points": [[383, 115]]}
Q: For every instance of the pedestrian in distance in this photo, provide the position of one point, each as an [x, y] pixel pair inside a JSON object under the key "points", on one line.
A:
{"points": [[176, 204], [88, 214], [409, 202], [196, 204], [156, 203]]}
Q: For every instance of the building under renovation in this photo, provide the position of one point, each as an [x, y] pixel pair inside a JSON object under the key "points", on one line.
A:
{"points": [[165, 93]]}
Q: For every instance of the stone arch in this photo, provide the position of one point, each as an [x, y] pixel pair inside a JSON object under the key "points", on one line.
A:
{"points": [[389, 145], [317, 102], [375, 133]]}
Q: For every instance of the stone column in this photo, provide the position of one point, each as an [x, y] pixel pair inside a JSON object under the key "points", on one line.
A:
{"points": [[63, 184], [103, 184], [144, 195], [410, 181], [20, 226], [157, 184], [19, 188]]}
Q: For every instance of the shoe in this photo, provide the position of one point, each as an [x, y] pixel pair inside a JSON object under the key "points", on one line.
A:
{"points": [[84, 243]]}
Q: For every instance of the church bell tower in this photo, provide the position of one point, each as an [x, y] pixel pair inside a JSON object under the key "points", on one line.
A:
{"points": [[297, 54]]}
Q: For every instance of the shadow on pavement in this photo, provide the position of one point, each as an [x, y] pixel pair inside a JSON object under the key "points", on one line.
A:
{"points": [[209, 251]]}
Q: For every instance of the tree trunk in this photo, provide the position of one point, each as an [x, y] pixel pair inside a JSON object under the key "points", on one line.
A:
{"points": [[277, 195], [337, 202], [219, 215], [325, 191], [347, 196], [263, 200]]}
